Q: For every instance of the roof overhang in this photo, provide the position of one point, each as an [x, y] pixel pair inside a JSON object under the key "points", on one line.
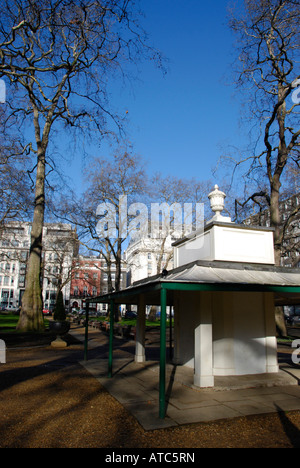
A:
{"points": [[198, 276], [212, 276]]}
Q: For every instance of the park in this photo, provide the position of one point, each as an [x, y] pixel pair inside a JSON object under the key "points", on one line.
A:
{"points": [[149, 226]]}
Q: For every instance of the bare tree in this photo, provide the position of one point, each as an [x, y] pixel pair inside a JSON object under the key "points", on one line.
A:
{"points": [[15, 194], [102, 222], [58, 56], [268, 33], [175, 191], [58, 266], [123, 179]]}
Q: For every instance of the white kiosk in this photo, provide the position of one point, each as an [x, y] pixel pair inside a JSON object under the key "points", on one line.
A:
{"points": [[234, 331], [224, 288]]}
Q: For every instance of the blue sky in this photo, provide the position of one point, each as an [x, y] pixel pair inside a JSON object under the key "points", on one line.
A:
{"points": [[182, 122]]}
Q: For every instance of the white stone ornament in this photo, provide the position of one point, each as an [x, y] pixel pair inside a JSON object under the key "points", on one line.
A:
{"points": [[217, 203]]}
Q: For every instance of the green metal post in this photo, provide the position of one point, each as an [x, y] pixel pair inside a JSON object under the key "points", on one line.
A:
{"points": [[171, 334], [162, 368], [86, 337], [111, 338]]}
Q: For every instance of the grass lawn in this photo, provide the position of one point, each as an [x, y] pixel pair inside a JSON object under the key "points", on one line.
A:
{"points": [[8, 322], [131, 322]]}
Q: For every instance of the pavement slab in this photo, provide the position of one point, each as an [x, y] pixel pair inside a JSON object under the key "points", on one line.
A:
{"points": [[136, 387]]}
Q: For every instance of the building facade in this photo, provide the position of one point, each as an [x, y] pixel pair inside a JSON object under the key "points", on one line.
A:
{"points": [[60, 245], [148, 256], [90, 279], [86, 280]]}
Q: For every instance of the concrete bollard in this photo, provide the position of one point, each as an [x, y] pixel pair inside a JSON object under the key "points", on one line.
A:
{"points": [[2, 352]]}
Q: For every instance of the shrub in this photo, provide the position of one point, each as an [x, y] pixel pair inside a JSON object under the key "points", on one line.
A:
{"points": [[59, 309]]}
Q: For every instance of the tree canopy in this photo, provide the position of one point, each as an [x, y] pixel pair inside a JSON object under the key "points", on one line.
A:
{"points": [[58, 57]]}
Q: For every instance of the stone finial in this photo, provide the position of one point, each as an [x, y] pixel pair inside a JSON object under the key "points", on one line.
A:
{"points": [[217, 203], [217, 200]]}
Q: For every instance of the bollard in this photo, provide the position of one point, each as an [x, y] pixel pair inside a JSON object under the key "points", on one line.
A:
{"points": [[2, 352]]}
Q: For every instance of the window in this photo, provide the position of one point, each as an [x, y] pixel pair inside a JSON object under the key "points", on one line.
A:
{"points": [[21, 281], [5, 294], [23, 255]]}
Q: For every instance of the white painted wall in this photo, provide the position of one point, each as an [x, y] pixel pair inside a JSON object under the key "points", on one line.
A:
{"points": [[227, 242], [243, 335], [225, 333]]}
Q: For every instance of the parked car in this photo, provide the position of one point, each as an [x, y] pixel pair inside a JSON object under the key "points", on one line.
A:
{"points": [[289, 319], [11, 308], [47, 312], [295, 320], [292, 315], [130, 315]]}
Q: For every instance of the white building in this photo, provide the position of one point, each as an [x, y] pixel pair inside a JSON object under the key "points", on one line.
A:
{"points": [[147, 256], [59, 246], [230, 329], [14, 248]]}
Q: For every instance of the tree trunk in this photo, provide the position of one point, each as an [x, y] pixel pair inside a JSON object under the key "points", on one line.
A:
{"points": [[118, 266], [31, 315], [275, 222], [152, 314], [280, 322]]}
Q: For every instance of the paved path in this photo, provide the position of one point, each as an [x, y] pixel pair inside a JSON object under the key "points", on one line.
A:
{"points": [[136, 387]]}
